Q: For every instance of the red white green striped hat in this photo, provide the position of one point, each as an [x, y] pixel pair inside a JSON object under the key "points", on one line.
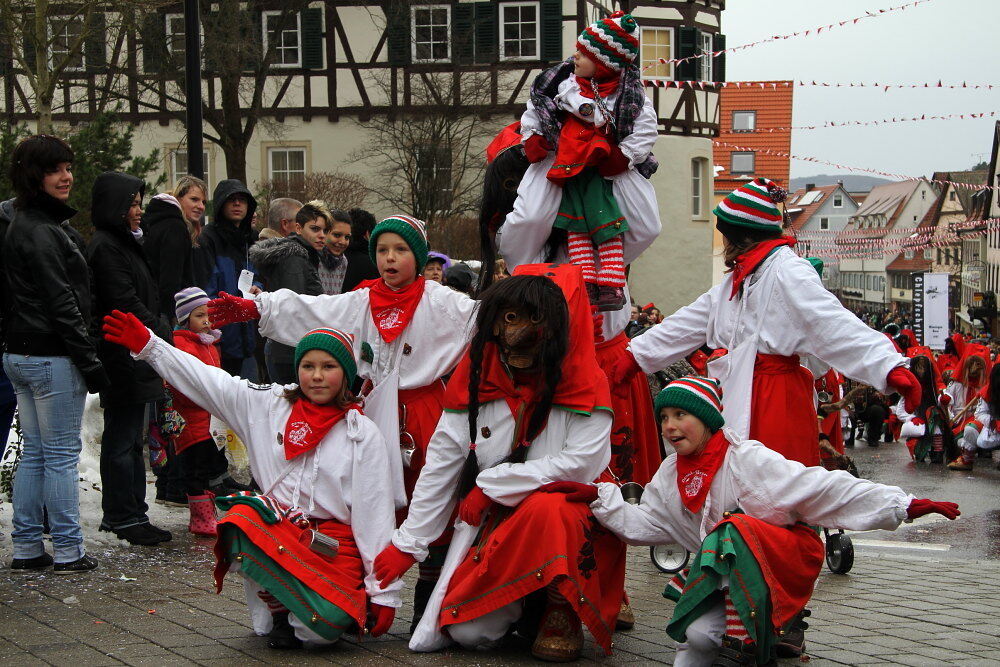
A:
{"points": [[701, 396], [612, 41], [413, 231], [339, 344], [753, 205]]}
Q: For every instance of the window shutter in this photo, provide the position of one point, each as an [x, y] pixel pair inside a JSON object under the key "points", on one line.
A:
{"points": [[154, 43], [687, 46], [463, 37], [397, 19], [94, 43], [252, 30], [719, 68], [312, 38], [6, 57], [551, 31], [28, 42], [487, 32]]}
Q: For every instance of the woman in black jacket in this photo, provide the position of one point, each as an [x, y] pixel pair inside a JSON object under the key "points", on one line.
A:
{"points": [[123, 281], [50, 355]]}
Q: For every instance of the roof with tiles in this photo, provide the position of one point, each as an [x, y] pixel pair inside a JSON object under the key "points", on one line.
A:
{"points": [[773, 109], [885, 201], [902, 264], [799, 213]]}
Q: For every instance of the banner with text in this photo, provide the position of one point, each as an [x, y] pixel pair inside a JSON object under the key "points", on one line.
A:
{"points": [[930, 308]]}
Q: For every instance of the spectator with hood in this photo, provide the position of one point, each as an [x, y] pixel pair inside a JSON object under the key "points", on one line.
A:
{"points": [[225, 243], [123, 281]]}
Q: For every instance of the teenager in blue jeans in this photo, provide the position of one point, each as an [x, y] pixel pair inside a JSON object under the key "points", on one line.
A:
{"points": [[50, 356]]}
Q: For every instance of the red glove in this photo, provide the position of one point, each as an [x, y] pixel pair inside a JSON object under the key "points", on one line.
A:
{"points": [[598, 324], [576, 492], [614, 164], [391, 564], [229, 309], [944, 400], [536, 148], [622, 372], [473, 506], [125, 329], [922, 506], [917, 421], [903, 381], [379, 619]]}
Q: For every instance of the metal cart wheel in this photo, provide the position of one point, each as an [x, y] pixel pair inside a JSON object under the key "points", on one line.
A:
{"points": [[669, 558], [839, 552]]}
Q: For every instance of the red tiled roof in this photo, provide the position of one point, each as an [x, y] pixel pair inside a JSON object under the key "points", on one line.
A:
{"points": [[774, 109], [918, 263], [801, 217]]}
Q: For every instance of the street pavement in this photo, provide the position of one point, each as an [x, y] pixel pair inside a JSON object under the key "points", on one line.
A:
{"points": [[928, 594]]}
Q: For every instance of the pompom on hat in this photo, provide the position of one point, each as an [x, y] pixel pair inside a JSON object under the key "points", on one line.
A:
{"points": [[701, 396], [754, 206], [339, 344], [612, 43], [413, 231]]}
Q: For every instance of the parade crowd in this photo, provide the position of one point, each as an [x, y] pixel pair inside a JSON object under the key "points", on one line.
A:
{"points": [[400, 411]]}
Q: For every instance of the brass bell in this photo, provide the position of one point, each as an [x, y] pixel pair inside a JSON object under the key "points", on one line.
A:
{"points": [[281, 549], [582, 599], [753, 614], [538, 575], [476, 558], [314, 618], [454, 613], [239, 559], [726, 515]]}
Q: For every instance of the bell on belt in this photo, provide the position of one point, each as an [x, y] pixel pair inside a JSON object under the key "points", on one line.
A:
{"points": [[323, 544], [631, 492]]}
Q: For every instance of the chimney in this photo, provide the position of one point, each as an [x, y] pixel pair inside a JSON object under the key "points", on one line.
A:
{"points": [[810, 186]]}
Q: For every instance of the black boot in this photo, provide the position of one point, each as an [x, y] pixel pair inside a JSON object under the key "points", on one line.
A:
{"points": [[421, 595], [282, 635], [792, 642], [736, 653]]}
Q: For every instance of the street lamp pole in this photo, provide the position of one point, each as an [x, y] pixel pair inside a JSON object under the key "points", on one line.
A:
{"points": [[192, 88]]}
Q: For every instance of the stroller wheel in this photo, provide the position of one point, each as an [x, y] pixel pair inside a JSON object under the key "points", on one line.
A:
{"points": [[839, 553], [669, 558]]}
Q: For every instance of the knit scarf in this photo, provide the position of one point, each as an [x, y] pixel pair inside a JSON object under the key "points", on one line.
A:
{"points": [[605, 88], [392, 309], [696, 472], [308, 425], [750, 260]]}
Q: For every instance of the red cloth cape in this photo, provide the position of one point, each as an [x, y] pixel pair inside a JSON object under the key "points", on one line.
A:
{"points": [[974, 350]]}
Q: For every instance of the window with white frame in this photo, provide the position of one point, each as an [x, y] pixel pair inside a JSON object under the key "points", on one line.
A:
{"points": [[744, 121], [179, 165], [283, 31], [175, 36], [705, 44], [287, 171], [742, 162], [697, 187], [928, 253], [519, 32], [66, 33], [657, 43], [431, 33], [908, 254], [824, 223], [838, 201]]}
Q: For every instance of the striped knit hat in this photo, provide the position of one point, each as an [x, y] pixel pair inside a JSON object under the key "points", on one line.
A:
{"points": [[413, 231], [338, 343], [612, 43], [700, 396], [186, 301], [754, 205]]}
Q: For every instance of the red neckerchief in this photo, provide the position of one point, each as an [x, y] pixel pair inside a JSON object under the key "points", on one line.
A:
{"points": [[748, 261], [696, 472], [605, 88], [308, 425], [391, 309]]}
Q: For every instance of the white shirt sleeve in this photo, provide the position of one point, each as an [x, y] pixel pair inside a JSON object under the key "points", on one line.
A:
{"points": [[286, 317], [529, 122], [585, 455], [638, 145], [647, 523], [675, 337]]}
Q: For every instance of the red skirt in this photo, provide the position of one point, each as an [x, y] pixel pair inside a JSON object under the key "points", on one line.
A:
{"points": [[419, 412], [782, 413], [510, 562], [636, 452]]}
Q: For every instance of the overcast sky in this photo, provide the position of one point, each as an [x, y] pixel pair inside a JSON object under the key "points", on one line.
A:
{"points": [[950, 40]]}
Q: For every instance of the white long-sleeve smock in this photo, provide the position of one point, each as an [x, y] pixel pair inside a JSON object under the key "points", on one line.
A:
{"points": [[428, 348], [989, 436], [345, 478], [526, 229], [960, 397], [761, 483]]}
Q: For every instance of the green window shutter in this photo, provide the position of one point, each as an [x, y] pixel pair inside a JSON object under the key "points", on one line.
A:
{"points": [[154, 43], [719, 68], [312, 38], [94, 43], [687, 46], [552, 30], [487, 32], [28, 44], [6, 56], [463, 38], [397, 19], [252, 30]]}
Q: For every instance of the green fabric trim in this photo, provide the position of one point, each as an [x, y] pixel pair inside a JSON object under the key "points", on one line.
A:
{"points": [[743, 222], [331, 621], [748, 202], [417, 243], [226, 503], [724, 552], [332, 346], [673, 397], [599, 46], [588, 205]]}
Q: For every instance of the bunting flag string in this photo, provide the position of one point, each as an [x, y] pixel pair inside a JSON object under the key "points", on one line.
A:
{"points": [[877, 172], [802, 33], [810, 244], [884, 121], [763, 85]]}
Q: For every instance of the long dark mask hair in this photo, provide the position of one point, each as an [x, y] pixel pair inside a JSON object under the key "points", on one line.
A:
{"points": [[920, 366], [500, 182], [994, 394], [542, 300]]}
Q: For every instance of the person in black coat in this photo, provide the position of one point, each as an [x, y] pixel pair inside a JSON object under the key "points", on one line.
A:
{"points": [[123, 281], [360, 266], [166, 242]]}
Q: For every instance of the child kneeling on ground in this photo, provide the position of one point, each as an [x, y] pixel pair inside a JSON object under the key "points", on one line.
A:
{"points": [[305, 546], [743, 510]]}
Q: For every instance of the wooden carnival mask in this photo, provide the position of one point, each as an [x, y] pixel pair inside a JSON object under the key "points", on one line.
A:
{"points": [[519, 336]]}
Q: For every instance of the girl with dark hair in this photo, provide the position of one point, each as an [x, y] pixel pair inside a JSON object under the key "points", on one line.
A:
{"points": [[928, 427], [987, 418], [326, 476], [50, 358], [527, 405]]}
